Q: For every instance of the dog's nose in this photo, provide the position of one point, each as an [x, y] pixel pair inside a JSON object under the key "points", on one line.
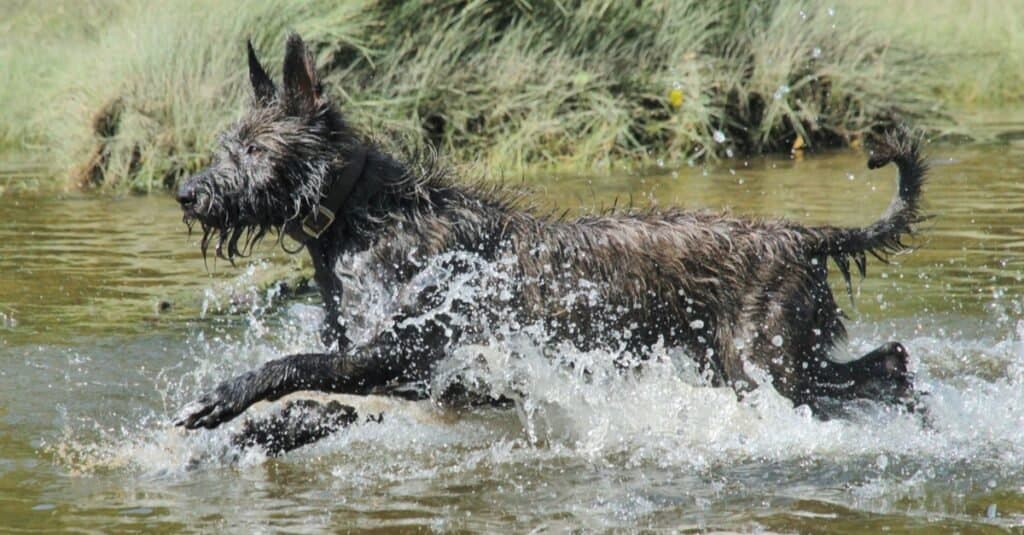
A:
{"points": [[187, 194]]}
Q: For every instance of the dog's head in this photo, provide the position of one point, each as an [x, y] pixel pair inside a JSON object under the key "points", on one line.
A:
{"points": [[268, 168]]}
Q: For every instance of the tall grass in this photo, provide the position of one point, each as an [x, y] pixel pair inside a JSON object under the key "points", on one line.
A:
{"points": [[130, 94], [140, 101], [979, 44], [37, 41]]}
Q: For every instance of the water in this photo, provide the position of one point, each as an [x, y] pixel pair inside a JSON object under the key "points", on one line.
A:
{"points": [[109, 323]]}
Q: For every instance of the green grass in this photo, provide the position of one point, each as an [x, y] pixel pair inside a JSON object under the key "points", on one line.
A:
{"points": [[137, 102], [130, 94], [977, 44], [38, 37]]}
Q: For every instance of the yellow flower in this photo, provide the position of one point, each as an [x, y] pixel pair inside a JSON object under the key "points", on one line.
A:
{"points": [[675, 98]]}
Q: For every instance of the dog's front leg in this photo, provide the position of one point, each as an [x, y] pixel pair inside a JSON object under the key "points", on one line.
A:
{"points": [[310, 371], [405, 351]]}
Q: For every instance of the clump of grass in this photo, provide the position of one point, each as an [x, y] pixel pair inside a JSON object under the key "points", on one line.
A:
{"points": [[135, 94], [517, 84], [35, 48], [141, 106], [978, 45]]}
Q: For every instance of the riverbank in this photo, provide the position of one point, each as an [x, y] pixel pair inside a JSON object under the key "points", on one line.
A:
{"points": [[129, 95]]}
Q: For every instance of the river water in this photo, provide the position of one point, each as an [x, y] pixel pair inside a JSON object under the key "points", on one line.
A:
{"points": [[110, 322]]}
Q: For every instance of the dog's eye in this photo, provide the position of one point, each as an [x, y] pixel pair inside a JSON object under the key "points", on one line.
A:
{"points": [[253, 149]]}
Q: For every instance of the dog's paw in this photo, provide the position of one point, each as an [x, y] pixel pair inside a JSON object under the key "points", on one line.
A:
{"points": [[225, 402]]}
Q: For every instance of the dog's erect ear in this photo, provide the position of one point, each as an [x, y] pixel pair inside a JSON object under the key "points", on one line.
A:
{"points": [[262, 86], [301, 89]]}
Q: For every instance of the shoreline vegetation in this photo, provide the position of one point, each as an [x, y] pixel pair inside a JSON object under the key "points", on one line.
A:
{"points": [[129, 95]]}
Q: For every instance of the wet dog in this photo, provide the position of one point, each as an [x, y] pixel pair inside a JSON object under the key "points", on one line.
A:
{"points": [[737, 294]]}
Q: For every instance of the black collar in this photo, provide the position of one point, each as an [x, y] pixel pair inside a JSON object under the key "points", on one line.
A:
{"points": [[322, 216]]}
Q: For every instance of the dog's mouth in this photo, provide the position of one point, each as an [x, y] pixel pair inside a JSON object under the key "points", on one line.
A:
{"points": [[198, 204], [196, 212], [228, 240], [228, 243], [196, 208]]}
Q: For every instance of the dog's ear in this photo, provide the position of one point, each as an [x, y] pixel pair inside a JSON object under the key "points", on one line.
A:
{"points": [[262, 86], [301, 89]]}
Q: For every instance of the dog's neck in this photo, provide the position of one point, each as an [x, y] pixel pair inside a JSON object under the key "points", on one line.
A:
{"points": [[336, 194], [377, 190]]}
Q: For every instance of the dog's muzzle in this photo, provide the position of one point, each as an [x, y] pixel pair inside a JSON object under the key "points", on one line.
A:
{"points": [[191, 196]]}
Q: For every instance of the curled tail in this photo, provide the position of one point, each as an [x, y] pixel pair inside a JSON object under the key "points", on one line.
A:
{"points": [[885, 236]]}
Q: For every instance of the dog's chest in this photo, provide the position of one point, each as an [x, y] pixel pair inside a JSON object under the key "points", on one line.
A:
{"points": [[378, 287], [369, 295]]}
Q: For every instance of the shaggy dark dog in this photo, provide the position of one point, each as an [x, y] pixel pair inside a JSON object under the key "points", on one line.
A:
{"points": [[735, 293]]}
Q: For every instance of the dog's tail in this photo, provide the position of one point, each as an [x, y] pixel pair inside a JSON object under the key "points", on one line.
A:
{"points": [[885, 236]]}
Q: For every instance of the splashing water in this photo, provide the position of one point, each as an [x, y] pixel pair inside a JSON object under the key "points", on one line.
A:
{"points": [[576, 409]]}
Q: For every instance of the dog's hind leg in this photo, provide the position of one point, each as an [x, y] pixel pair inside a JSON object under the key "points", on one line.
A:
{"points": [[728, 361], [881, 375]]}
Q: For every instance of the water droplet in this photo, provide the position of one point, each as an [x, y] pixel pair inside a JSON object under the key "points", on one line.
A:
{"points": [[697, 324], [660, 162], [816, 53], [719, 136], [781, 92], [777, 340], [882, 462], [831, 11], [728, 152], [850, 176]]}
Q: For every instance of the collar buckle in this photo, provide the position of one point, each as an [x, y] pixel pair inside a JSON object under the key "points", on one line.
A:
{"points": [[317, 221]]}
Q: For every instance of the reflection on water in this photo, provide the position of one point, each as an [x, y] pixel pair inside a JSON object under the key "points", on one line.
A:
{"points": [[93, 366]]}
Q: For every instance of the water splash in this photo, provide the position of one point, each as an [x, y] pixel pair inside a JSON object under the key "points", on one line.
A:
{"points": [[580, 408]]}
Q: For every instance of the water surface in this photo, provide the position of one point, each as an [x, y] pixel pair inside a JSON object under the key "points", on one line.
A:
{"points": [[109, 322]]}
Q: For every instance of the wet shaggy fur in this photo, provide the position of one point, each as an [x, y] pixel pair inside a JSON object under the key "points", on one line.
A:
{"points": [[736, 293]]}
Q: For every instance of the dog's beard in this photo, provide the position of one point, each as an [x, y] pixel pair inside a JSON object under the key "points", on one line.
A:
{"points": [[228, 238], [229, 241]]}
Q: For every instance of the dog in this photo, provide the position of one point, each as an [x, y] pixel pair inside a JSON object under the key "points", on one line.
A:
{"points": [[735, 293]]}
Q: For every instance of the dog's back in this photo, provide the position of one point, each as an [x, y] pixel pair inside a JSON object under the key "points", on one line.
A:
{"points": [[730, 290]]}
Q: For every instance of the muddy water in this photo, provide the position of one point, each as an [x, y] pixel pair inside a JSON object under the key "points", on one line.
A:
{"points": [[109, 322]]}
